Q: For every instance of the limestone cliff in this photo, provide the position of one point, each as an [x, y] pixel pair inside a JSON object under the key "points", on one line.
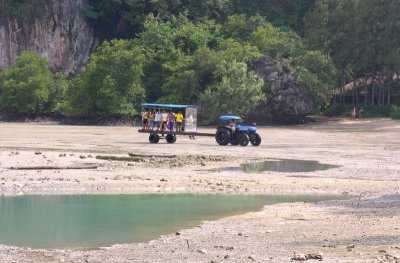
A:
{"points": [[59, 32], [286, 101]]}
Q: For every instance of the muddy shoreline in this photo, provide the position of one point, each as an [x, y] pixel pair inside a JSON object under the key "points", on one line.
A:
{"points": [[57, 159]]}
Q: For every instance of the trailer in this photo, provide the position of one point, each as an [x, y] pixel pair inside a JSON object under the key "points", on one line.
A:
{"points": [[188, 128]]}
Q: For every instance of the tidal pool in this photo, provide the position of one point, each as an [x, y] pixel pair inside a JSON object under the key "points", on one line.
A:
{"points": [[88, 221], [286, 166]]}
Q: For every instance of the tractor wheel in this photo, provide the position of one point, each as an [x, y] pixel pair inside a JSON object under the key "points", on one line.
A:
{"points": [[243, 139], [255, 139], [223, 137], [154, 138], [235, 141], [171, 138]]}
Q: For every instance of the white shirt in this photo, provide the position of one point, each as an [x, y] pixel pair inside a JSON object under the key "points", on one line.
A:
{"points": [[157, 117]]}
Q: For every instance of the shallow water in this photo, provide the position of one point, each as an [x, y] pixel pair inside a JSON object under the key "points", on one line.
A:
{"points": [[101, 220], [286, 166]]}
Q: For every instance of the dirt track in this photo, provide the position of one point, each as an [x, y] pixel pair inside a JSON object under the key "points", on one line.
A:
{"points": [[54, 159]]}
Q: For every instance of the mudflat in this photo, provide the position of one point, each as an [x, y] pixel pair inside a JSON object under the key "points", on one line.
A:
{"points": [[56, 159]]}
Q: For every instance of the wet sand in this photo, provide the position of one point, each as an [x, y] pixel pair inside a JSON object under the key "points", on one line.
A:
{"points": [[55, 159]]}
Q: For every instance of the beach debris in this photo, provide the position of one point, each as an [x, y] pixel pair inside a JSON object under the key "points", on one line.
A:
{"points": [[202, 251], [303, 257], [318, 255], [178, 233], [384, 256], [82, 156], [80, 167], [252, 258], [117, 158], [62, 155], [350, 247], [299, 257], [38, 153], [163, 180]]}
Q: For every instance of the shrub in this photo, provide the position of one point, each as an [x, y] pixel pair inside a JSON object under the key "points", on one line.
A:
{"points": [[377, 111], [395, 112], [337, 110]]}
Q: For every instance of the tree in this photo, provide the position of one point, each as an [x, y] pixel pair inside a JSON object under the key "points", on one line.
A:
{"points": [[111, 81], [236, 91], [316, 75], [30, 87], [272, 41]]}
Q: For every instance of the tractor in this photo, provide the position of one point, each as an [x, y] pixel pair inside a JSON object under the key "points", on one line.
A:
{"points": [[236, 134]]}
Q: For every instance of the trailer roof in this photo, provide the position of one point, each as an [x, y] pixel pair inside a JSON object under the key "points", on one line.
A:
{"points": [[166, 105]]}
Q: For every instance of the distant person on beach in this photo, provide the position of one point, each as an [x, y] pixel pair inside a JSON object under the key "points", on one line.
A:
{"points": [[353, 113]]}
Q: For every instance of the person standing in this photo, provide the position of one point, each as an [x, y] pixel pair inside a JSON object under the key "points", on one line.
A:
{"points": [[151, 119], [145, 119], [178, 120], [171, 120], [353, 113], [157, 120], [164, 119]]}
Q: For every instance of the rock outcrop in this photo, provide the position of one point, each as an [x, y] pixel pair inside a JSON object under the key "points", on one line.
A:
{"points": [[59, 32], [286, 102]]}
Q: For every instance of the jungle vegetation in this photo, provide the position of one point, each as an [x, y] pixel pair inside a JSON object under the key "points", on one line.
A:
{"points": [[196, 51]]}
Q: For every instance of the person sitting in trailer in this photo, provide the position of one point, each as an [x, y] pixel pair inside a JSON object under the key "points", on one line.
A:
{"points": [[178, 120], [171, 120]]}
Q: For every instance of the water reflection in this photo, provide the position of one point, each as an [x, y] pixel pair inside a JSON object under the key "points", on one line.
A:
{"points": [[285, 166]]}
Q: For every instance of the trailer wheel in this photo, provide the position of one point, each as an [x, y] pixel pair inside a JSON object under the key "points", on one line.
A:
{"points": [[171, 138], [223, 137], [154, 138], [255, 139], [243, 139]]}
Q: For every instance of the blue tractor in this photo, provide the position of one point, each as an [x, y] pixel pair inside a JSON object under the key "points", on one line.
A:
{"points": [[235, 134]]}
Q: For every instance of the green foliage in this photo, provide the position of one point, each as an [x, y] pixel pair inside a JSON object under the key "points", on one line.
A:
{"points": [[282, 13], [25, 9], [276, 43], [376, 111], [241, 27], [316, 75], [337, 110], [395, 112], [111, 81], [124, 18], [361, 37], [236, 92], [30, 87]]}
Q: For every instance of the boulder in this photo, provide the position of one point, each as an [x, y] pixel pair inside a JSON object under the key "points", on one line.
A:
{"points": [[286, 101]]}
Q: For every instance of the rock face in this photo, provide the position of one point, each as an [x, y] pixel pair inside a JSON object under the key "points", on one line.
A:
{"points": [[286, 102], [59, 32]]}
